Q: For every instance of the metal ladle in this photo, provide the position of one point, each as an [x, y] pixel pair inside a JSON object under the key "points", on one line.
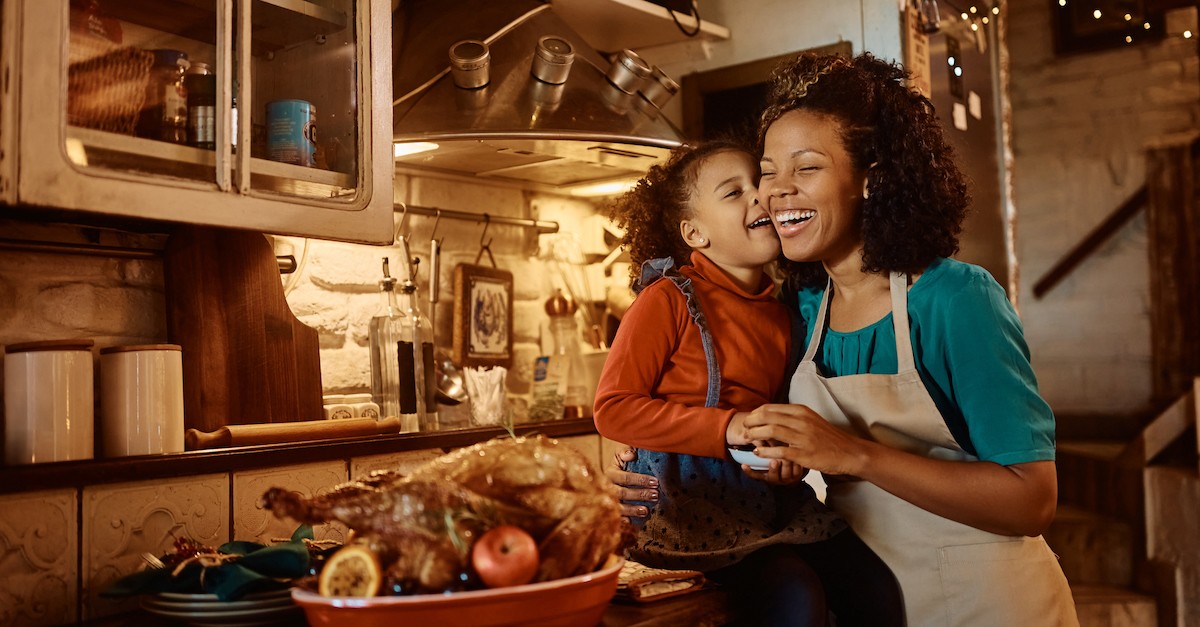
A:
{"points": [[450, 382], [450, 388]]}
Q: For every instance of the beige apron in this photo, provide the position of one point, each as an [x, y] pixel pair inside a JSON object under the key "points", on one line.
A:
{"points": [[949, 573]]}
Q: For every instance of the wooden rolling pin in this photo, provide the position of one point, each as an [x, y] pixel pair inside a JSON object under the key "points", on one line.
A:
{"points": [[276, 432]]}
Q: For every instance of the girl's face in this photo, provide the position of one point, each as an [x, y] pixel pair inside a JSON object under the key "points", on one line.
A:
{"points": [[731, 228], [811, 189]]}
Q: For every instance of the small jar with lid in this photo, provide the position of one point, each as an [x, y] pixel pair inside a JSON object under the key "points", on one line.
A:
{"points": [[201, 85], [628, 72], [470, 63], [164, 114]]}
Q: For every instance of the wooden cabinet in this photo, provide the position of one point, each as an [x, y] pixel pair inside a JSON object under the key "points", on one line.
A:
{"points": [[92, 106]]}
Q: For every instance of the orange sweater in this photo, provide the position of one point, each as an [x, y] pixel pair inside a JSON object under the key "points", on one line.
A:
{"points": [[651, 393]]}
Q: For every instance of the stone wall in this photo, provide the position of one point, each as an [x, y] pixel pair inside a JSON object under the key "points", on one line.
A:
{"points": [[336, 290], [1079, 127]]}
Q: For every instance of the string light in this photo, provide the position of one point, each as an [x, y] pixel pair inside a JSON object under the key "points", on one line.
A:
{"points": [[1128, 39], [965, 17], [996, 10], [1128, 17], [1096, 14], [1187, 34], [985, 19], [974, 10], [1062, 3], [1146, 26]]}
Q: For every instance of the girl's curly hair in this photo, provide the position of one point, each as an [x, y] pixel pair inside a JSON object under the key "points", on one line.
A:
{"points": [[918, 198], [650, 212]]}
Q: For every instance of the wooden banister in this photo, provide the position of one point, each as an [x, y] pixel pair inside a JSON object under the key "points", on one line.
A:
{"points": [[1098, 236]]}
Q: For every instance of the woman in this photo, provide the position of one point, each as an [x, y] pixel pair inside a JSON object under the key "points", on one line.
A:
{"points": [[915, 397]]}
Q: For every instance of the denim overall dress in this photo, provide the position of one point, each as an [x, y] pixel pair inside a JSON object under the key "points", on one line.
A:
{"points": [[710, 514]]}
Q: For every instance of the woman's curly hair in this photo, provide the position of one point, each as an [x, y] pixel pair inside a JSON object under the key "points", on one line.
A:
{"points": [[650, 212], [918, 198]]}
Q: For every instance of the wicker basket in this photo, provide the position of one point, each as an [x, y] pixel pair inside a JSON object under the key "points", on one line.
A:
{"points": [[107, 91]]}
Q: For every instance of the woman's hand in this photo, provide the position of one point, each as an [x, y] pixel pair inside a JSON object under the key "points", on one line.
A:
{"points": [[631, 486], [810, 441], [780, 472], [1014, 500]]}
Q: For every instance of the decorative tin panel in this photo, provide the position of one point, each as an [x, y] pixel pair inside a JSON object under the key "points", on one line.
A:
{"points": [[123, 521], [404, 462], [252, 522], [39, 548]]}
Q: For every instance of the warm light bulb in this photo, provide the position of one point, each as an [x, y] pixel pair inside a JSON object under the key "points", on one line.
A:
{"points": [[950, 61], [1096, 14], [958, 71], [608, 188], [1146, 25], [1128, 39], [965, 16], [974, 10], [1187, 34], [985, 19], [1062, 3], [974, 26], [995, 10], [1128, 17], [403, 149]]}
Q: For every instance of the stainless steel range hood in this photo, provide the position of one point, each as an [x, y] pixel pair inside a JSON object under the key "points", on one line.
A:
{"points": [[516, 128]]}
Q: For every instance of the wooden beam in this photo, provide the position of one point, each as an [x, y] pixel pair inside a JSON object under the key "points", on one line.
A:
{"points": [[1098, 236]]}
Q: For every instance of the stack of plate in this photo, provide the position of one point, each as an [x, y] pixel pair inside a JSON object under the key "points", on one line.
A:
{"points": [[206, 610]]}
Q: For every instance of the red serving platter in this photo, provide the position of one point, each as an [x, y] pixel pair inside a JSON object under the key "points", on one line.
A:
{"points": [[568, 602]]}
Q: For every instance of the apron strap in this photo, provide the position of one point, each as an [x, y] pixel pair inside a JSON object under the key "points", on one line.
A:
{"points": [[904, 350], [664, 268], [898, 286], [818, 325]]}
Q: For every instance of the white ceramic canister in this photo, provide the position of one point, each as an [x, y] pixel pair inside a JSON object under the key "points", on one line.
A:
{"points": [[48, 401], [141, 399]]}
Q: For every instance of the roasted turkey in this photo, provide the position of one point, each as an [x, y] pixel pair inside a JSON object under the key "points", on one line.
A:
{"points": [[422, 525]]}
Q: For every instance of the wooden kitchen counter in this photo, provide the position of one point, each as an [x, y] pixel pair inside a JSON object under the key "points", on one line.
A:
{"points": [[706, 608]]}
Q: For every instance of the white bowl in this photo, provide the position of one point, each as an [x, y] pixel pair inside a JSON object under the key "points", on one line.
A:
{"points": [[750, 459]]}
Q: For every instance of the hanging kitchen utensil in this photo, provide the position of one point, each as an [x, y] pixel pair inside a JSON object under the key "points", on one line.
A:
{"points": [[482, 310]]}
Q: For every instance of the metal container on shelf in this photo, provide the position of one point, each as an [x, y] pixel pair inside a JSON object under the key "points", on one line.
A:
{"points": [[292, 132], [552, 60]]}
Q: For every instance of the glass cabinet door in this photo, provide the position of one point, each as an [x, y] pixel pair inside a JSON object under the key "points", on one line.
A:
{"points": [[256, 97], [141, 87], [302, 102]]}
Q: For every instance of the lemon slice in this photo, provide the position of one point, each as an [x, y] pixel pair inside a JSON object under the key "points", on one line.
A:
{"points": [[353, 571]]}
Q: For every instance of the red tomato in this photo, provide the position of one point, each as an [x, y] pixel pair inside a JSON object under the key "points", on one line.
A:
{"points": [[505, 556]]}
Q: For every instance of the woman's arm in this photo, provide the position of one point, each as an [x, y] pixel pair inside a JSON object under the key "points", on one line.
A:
{"points": [[1011, 500]]}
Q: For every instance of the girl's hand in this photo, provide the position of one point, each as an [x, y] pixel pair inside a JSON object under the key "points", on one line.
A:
{"points": [[631, 486]]}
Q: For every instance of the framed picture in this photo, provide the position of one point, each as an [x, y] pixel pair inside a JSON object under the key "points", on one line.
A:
{"points": [[482, 316], [1102, 24]]}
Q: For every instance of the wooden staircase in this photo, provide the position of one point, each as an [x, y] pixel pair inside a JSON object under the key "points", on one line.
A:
{"points": [[1100, 531]]}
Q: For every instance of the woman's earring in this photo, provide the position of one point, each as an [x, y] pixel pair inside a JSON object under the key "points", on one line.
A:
{"points": [[700, 241]]}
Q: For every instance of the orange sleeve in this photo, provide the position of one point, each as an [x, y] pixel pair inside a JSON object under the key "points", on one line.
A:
{"points": [[626, 408]]}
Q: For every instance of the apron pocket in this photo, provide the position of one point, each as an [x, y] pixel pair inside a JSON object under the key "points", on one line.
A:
{"points": [[1012, 582]]}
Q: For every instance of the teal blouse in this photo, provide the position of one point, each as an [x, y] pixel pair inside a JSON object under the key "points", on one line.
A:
{"points": [[971, 353]]}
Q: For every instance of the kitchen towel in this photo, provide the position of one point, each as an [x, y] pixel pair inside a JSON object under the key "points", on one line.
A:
{"points": [[641, 583]]}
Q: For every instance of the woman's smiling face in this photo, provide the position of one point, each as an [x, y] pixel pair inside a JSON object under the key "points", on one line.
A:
{"points": [[811, 188]]}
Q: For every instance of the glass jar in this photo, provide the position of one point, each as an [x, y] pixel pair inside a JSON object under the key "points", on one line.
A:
{"points": [[164, 114], [201, 85]]}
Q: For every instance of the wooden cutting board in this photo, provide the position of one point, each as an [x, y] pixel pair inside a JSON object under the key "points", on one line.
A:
{"points": [[246, 358]]}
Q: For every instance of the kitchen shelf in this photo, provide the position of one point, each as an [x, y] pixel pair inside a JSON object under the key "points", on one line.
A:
{"points": [[128, 151], [614, 25], [78, 474], [275, 24]]}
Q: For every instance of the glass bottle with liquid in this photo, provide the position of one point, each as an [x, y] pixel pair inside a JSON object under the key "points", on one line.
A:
{"points": [[386, 331], [417, 348], [567, 360]]}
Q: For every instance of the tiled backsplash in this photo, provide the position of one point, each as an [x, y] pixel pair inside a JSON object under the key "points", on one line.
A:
{"points": [[52, 569]]}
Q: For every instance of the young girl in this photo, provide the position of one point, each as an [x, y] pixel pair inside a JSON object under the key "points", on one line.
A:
{"points": [[693, 355]]}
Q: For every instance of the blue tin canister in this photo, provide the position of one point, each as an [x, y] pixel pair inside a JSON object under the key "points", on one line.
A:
{"points": [[292, 132]]}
